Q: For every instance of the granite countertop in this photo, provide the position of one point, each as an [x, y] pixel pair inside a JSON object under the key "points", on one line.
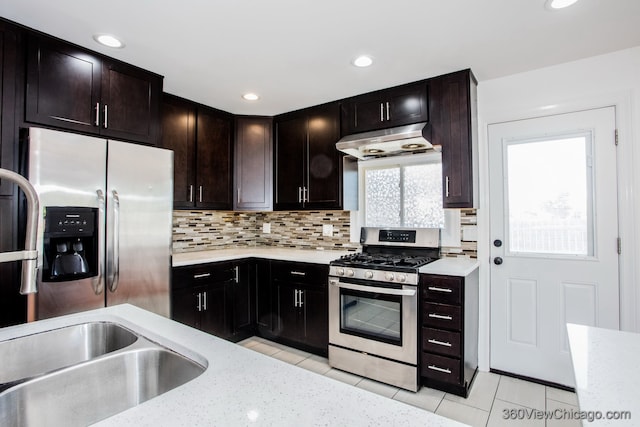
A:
{"points": [[605, 365], [240, 387], [447, 266]]}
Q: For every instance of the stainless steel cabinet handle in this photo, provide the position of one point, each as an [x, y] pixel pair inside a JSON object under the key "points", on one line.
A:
{"points": [[300, 302], [237, 274], [238, 196], [446, 186], [445, 344], [295, 298], [204, 301], [387, 111], [377, 290], [305, 194], [199, 301], [116, 241], [200, 276], [106, 115], [381, 112], [97, 114], [190, 193], [436, 289], [298, 273], [98, 281], [440, 316], [200, 194], [299, 194], [435, 368]]}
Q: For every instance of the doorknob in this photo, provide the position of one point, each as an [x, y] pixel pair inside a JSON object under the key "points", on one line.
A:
{"points": [[497, 243], [497, 260]]}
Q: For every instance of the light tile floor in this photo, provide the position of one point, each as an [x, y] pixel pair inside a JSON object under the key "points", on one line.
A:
{"points": [[492, 396]]}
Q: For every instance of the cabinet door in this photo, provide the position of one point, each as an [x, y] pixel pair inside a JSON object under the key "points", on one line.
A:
{"points": [[214, 317], [315, 317], [287, 325], [63, 85], [324, 168], [452, 129], [184, 306], [130, 103], [291, 138], [407, 104], [253, 164], [213, 160], [243, 298], [264, 310], [8, 68], [178, 134]]}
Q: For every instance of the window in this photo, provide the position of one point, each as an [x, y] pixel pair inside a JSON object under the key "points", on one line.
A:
{"points": [[406, 191]]}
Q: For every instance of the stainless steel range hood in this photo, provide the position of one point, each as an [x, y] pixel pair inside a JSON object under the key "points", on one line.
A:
{"points": [[386, 142]]}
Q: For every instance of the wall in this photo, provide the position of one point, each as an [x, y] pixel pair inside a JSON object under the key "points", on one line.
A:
{"points": [[612, 79], [206, 230]]}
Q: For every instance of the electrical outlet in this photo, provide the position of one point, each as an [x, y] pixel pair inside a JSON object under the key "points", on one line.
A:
{"points": [[266, 227], [327, 230]]}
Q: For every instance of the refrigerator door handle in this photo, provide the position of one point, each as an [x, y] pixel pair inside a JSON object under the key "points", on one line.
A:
{"points": [[116, 241], [98, 281]]}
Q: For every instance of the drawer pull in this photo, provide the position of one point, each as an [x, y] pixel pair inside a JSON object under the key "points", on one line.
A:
{"points": [[446, 344], [435, 368], [440, 316], [436, 289], [200, 276], [298, 273]]}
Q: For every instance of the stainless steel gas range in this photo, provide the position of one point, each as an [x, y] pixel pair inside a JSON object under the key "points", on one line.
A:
{"points": [[373, 304]]}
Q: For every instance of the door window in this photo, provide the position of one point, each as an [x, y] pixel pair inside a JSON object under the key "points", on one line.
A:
{"points": [[549, 187]]}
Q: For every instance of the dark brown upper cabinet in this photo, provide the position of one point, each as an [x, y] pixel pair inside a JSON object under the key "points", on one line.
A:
{"points": [[308, 168], [453, 106], [201, 139], [401, 105], [253, 163], [75, 89]]}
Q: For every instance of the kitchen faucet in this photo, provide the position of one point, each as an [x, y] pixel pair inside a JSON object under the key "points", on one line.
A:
{"points": [[29, 256]]}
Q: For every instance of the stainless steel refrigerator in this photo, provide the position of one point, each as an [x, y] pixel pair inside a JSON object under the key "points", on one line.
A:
{"points": [[105, 223]]}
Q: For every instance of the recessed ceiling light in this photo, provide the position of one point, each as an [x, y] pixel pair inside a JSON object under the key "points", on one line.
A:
{"points": [[250, 97], [108, 40], [559, 4], [363, 61]]}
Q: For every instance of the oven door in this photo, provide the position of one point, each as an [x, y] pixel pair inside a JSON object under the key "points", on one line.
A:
{"points": [[378, 320]]}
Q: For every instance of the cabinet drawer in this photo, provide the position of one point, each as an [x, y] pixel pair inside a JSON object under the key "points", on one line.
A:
{"points": [[442, 288], [300, 272], [202, 274], [441, 342], [442, 316], [441, 368]]}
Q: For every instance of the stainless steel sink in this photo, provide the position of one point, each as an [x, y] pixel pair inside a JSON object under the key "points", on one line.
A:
{"points": [[37, 354], [91, 391]]}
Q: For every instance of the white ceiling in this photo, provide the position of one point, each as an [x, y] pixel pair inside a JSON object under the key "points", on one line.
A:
{"points": [[297, 53]]}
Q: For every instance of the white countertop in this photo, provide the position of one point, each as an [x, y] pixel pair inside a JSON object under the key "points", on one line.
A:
{"points": [[239, 383], [283, 254], [605, 364], [447, 266]]}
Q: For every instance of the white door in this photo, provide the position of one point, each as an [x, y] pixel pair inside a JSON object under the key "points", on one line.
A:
{"points": [[554, 234]]}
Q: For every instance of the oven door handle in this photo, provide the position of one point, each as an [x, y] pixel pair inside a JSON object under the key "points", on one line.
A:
{"points": [[377, 290]]}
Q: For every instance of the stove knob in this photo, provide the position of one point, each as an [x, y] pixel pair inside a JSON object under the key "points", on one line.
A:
{"points": [[402, 277], [389, 277], [368, 274], [340, 272], [350, 273]]}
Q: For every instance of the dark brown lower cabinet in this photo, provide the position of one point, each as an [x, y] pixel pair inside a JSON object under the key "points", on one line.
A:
{"points": [[449, 333], [300, 298]]}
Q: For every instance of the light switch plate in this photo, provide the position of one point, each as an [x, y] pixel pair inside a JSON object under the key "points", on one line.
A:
{"points": [[266, 227], [327, 230]]}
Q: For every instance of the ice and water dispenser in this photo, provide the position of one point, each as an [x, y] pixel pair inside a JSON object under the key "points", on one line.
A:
{"points": [[70, 243]]}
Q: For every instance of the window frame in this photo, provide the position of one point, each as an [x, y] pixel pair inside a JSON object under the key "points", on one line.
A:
{"points": [[450, 235]]}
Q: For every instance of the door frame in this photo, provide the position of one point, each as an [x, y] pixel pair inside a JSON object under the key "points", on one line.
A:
{"points": [[629, 297]]}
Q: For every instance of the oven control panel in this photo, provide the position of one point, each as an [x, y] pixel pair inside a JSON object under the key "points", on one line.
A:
{"points": [[397, 236], [374, 275]]}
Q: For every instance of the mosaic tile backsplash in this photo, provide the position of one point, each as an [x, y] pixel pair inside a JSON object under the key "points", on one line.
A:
{"points": [[205, 230]]}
